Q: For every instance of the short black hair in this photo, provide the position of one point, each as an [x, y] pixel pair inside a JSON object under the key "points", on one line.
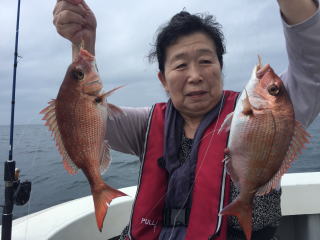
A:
{"points": [[183, 24]]}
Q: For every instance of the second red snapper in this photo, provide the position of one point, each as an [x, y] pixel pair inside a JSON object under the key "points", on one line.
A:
{"points": [[264, 139], [77, 119]]}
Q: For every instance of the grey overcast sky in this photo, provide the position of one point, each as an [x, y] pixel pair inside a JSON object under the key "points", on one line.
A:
{"points": [[125, 34]]}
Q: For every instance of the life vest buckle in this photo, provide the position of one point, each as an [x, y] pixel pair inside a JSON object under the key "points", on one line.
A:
{"points": [[175, 217]]}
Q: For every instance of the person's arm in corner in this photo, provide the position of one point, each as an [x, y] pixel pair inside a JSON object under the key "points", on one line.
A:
{"points": [[301, 22]]}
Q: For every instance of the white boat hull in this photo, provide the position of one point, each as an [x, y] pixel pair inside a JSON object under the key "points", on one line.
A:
{"points": [[75, 220]]}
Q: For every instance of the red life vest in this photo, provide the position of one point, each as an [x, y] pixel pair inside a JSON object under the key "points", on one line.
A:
{"points": [[211, 189]]}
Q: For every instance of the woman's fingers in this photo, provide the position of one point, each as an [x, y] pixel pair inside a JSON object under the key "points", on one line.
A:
{"points": [[68, 24], [75, 21], [84, 4], [62, 6], [69, 31], [67, 17], [71, 1]]}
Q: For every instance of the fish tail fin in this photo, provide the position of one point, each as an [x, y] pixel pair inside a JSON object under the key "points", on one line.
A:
{"points": [[102, 198], [243, 211]]}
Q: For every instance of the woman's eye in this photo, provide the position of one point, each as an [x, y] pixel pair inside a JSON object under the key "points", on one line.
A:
{"points": [[182, 65], [205, 61]]}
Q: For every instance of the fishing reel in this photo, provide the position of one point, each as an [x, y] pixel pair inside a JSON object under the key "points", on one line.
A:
{"points": [[22, 190]]}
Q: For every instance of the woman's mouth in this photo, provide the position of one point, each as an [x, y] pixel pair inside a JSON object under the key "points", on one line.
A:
{"points": [[196, 93]]}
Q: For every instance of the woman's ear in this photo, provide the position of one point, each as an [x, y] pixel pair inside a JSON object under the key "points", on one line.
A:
{"points": [[163, 81]]}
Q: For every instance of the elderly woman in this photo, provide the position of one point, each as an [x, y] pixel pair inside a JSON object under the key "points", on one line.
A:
{"points": [[182, 185]]}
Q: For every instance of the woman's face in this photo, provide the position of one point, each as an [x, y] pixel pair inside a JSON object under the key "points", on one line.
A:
{"points": [[192, 75]]}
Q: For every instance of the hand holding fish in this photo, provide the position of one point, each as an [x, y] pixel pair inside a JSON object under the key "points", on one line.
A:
{"points": [[75, 21]]}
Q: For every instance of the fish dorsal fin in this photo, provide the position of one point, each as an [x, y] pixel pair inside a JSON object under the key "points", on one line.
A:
{"points": [[102, 97], [226, 125], [51, 122], [105, 158], [113, 110], [300, 137]]}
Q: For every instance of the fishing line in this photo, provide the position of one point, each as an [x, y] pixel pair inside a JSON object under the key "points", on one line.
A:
{"points": [[35, 154], [201, 163], [23, 133]]}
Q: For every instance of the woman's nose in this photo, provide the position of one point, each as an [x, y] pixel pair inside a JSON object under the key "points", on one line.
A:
{"points": [[194, 74]]}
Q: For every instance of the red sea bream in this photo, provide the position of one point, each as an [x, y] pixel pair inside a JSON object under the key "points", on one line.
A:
{"points": [[264, 139], [77, 119]]}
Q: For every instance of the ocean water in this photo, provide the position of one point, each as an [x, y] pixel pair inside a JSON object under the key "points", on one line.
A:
{"points": [[36, 155]]}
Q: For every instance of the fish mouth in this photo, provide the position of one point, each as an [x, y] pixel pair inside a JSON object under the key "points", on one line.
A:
{"points": [[91, 83], [92, 88], [196, 93]]}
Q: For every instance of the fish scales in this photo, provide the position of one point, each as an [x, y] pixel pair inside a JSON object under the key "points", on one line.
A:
{"points": [[264, 139], [85, 134], [258, 149]]}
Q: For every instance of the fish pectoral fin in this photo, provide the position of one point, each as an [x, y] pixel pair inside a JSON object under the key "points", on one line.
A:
{"points": [[299, 138], [51, 122], [247, 107], [229, 168], [227, 155], [226, 125], [110, 92], [114, 111], [105, 158]]}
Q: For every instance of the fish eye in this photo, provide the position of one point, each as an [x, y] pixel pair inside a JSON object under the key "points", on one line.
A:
{"points": [[78, 74], [98, 100], [273, 90]]}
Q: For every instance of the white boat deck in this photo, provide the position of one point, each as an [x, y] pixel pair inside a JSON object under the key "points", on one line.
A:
{"points": [[300, 194], [75, 219]]}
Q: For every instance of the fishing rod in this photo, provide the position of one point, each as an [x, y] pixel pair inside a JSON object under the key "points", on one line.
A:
{"points": [[16, 192]]}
